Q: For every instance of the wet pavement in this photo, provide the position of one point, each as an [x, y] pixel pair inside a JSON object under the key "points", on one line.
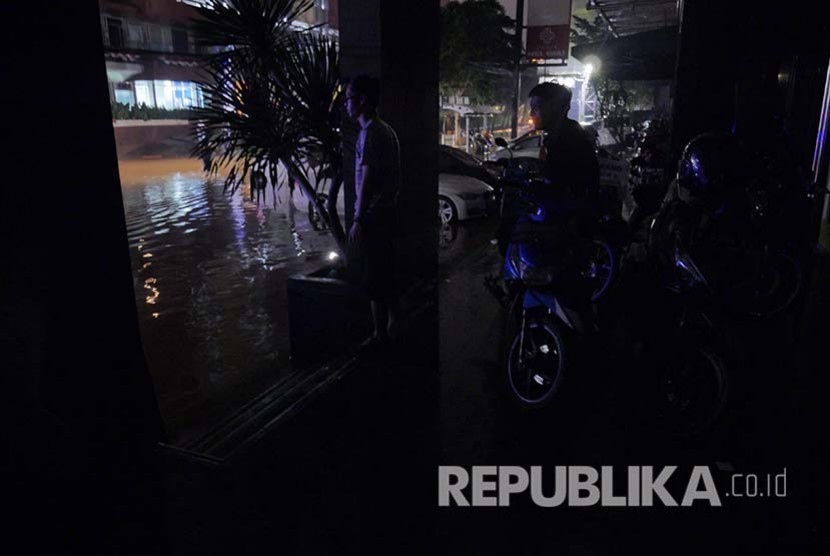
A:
{"points": [[210, 271]]}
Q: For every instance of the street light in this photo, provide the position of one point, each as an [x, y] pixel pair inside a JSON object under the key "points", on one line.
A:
{"points": [[592, 64]]}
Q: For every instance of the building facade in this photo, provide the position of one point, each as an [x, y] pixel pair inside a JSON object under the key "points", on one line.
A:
{"points": [[151, 56], [150, 53]]}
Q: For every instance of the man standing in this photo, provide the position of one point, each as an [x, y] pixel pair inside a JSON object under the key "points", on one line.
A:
{"points": [[377, 182]]}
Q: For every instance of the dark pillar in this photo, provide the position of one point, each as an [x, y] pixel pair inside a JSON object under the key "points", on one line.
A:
{"points": [[78, 399], [710, 52], [755, 71], [399, 44], [735, 67]]}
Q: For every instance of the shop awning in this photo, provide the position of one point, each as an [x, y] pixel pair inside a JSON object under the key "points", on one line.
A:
{"points": [[640, 56], [472, 110], [626, 17], [118, 72]]}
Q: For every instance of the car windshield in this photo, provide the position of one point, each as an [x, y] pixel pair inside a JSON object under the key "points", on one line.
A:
{"points": [[464, 157], [525, 136], [527, 141]]}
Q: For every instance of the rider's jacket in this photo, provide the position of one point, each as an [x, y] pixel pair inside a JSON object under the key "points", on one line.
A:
{"points": [[571, 169]]}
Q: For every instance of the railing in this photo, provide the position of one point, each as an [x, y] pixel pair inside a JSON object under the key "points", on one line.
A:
{"points": [[153, 47], [123, 33]]}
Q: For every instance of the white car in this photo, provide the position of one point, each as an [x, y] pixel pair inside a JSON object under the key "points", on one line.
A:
{"points": [[527, 145], [459, 197], [462, 197]]}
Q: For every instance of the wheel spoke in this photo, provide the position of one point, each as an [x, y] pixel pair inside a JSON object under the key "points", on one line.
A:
{"points": [[534, 368]]}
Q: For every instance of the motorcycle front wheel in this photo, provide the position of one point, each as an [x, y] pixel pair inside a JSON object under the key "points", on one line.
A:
{"points": [[692, 391], [602, 268], [775, 288], [536, 363]]}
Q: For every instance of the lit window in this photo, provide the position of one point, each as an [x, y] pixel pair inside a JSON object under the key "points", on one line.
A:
{"points": [[144, 93], [164, 94], [175, 95], [124, 96]]}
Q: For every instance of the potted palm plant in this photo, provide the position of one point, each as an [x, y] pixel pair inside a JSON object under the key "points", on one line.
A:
{"points": [[272, 96]]}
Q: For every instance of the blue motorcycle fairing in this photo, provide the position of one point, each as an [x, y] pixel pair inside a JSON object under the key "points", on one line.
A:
{"points": [[511, 271], [547, 300], [530, 254], [548, 203]]}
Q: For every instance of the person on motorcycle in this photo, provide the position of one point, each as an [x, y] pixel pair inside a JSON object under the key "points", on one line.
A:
{"points": [[570, 162], [570, 175]]}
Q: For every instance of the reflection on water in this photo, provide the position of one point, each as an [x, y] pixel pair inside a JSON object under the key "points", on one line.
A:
{"points": [[210, 272]]}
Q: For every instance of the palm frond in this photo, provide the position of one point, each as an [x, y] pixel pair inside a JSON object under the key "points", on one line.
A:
{"points": [[313, 90], [272, 95], [252, 31], [245, 120]]}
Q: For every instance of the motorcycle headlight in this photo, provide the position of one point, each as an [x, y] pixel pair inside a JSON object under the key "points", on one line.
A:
{"points": [[689, 271], [534, 275]]}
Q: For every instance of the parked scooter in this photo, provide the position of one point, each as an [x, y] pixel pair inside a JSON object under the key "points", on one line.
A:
{"points": [[480, 145], [520, 174], [684, 369], [751, 227], [538, 273], [691, 348], [549, 279]]}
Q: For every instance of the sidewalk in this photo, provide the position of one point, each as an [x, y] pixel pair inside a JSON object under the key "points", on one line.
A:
{"points": [[354, 469]]}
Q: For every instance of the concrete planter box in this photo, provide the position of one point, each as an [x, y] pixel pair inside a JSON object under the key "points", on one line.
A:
{"points": [[326, 316], [138, 139]]}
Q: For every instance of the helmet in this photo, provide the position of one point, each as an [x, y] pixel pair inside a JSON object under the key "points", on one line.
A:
{"points": [[710, 163]]}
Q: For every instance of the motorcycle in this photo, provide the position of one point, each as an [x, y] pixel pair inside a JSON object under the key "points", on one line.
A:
{"points": [[776, 277], [685, 361], [518, 176], [549, 280], [690, 345], [479, 145], [544, 319], [756, 223]]}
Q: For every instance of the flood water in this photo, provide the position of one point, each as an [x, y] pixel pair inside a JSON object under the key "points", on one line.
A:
{"points": [[210, 272]]}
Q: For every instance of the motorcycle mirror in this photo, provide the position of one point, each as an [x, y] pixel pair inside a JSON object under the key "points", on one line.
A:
{"points": [[501, 142]]}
